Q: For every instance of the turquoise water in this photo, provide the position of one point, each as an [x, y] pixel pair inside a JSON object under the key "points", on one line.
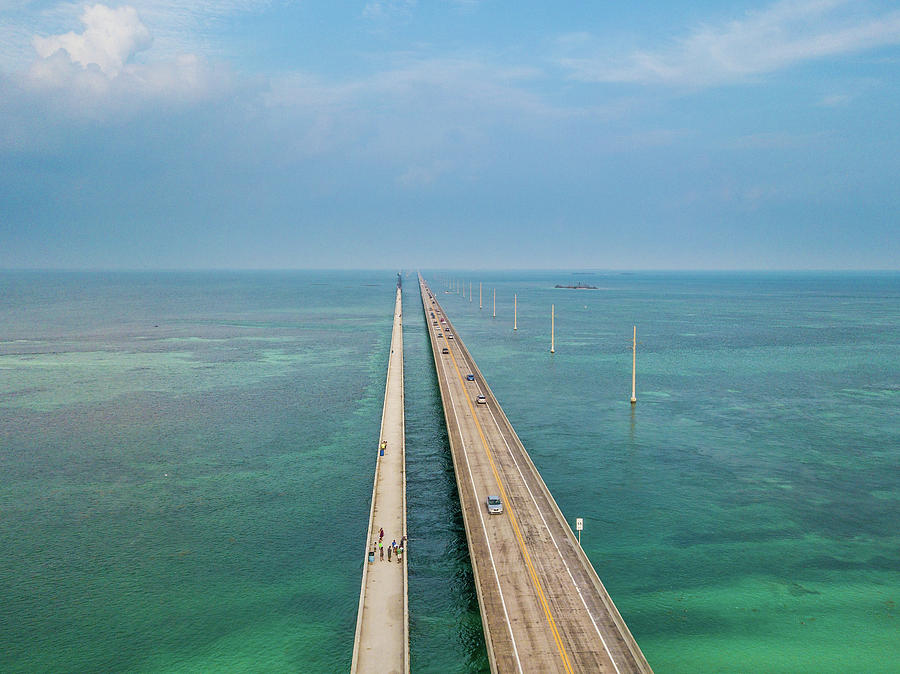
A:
{"points": [[187, 463]]}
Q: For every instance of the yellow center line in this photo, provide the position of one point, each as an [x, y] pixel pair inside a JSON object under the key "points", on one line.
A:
{"points": [[512, 518]]}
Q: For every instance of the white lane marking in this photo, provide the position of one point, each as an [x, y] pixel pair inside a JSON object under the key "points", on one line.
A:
{"points": [[552, 538], [481, 517], [555, 544]]}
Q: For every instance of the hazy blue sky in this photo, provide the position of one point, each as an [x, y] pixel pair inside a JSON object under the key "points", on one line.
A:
{"points": [[450, 133]]}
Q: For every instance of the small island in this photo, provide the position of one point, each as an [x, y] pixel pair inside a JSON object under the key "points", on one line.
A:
{"points": [[581, 285]]}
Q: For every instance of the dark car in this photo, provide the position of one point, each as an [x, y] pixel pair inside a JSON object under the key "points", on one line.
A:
{"points": [[470, 377]]}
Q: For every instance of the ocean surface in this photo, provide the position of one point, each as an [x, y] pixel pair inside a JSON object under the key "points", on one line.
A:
{"points": [[187, 460]]}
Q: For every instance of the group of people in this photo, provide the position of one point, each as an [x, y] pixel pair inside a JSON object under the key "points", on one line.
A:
{"points": [[394, 548]]}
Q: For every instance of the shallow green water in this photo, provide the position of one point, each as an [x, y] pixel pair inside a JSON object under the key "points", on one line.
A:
{"points": [[187, 463], [186, 469]]}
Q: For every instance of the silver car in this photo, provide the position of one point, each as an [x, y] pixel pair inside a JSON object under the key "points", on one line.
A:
{"points": [[494, 505]]}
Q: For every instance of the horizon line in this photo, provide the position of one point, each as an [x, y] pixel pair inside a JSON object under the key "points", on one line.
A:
{"points": [[586, 270]]}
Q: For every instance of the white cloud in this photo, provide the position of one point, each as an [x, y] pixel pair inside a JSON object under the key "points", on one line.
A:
{"points": [[93, 73], [427, 118], [177, 26], [782, 35], [89, 92], [380, 9], [450, 85], [111, 37]]}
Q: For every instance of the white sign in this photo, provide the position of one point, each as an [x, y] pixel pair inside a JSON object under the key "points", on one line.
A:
{"points": [[579, 524]]}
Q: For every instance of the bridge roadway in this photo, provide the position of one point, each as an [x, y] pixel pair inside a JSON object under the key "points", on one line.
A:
{"points": [[543, 607], [381, 643]]}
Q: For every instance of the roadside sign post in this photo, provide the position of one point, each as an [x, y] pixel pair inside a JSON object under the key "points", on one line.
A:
{"points": [[579, 525]]}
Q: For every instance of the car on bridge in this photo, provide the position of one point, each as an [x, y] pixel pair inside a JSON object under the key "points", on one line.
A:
{"points": [[470, 377], [481, 400], [445, 350], [494, 505]]}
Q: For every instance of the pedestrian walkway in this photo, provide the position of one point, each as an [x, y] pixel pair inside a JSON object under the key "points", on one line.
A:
{"points": [[382, 623]]}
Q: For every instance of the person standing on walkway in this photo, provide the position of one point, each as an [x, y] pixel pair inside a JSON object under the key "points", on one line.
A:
{"points": [[380, 534], [381, 552], [394, 544], [389, 553]]}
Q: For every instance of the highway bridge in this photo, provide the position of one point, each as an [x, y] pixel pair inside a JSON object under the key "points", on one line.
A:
{"points": [[381, 644], [543, 607]]}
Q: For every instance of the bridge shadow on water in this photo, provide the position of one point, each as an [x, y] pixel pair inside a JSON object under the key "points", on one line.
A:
{"points": [[444, 619]]}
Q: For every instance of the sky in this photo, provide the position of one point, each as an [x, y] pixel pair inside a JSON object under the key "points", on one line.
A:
{"points": [[467, 134]]}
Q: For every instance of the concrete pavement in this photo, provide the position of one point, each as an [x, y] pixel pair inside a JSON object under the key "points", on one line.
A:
{"points": [[382, 624]]}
